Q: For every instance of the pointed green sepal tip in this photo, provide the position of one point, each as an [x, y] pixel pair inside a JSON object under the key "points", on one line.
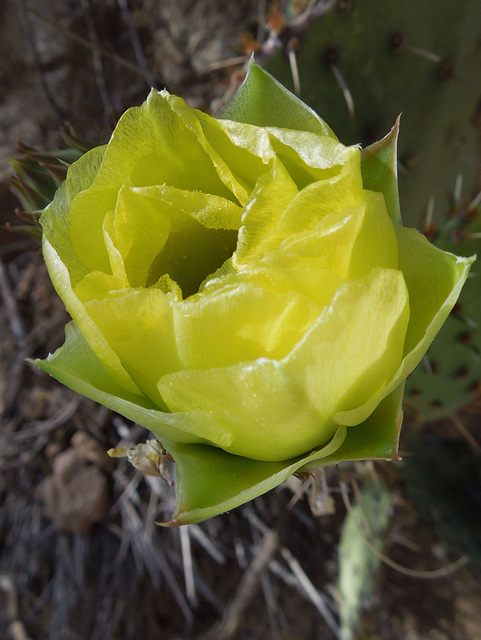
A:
{"points": [[264, 102], [379, 170]]}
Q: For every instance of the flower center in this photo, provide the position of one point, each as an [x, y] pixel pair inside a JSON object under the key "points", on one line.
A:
{"points": [[189, 258]]}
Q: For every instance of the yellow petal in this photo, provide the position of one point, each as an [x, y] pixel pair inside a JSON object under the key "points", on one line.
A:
{"points": [[356, 346], [326, 247], [254, 409], [349, 242], [335, 193], [271, 196], [240, 322], [307, 156], [161, 231], [141, 229], [86, 216], [154, 144], [434, 279], [55, 218], [375, 243], [241, 152], [319, 285], [140, 329], [62, 283], [97, 285], [117, 265]]}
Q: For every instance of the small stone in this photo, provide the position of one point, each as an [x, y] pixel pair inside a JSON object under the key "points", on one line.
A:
{"points": [[76, 495], [90, 450]]}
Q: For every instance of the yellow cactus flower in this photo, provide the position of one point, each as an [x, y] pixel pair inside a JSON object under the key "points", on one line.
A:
{"points": [[242, 286]]}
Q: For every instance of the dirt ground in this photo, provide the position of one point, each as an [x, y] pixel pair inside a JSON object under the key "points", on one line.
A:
{"points": [[80, 555]]}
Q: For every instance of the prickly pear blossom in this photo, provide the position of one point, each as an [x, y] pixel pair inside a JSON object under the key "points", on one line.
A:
{"points": [[242, 286]]}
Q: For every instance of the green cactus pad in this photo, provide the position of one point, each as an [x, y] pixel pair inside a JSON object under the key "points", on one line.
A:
{"points": [[414, 57]]}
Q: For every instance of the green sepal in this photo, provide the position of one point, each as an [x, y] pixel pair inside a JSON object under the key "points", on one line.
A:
{"points": [[377, 438], [263, 101], [211, 481], [76, 365], [379, 170]]}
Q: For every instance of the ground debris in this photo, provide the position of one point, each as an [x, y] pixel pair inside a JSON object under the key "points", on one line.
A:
{"points": [[76, 494]]}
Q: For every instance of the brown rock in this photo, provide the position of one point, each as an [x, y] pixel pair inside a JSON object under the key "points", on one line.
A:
{"points": [[76, 495], [90, 450]]}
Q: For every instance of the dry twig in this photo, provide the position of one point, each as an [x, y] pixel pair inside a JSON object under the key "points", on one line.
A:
{"points": [[227, 627], [16, 630]]}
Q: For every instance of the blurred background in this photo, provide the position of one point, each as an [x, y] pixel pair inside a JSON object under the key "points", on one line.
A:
{"points": [[375, 551]]}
